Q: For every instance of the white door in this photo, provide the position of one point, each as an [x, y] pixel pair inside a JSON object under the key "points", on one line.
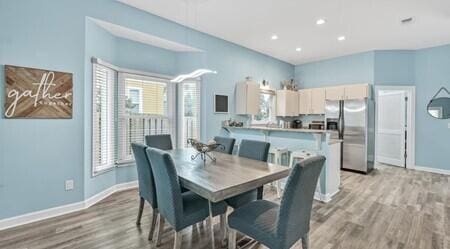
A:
{"points": [[391, 127]]}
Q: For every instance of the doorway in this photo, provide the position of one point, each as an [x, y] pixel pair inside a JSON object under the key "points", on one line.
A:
{"points": [[395, 126]]}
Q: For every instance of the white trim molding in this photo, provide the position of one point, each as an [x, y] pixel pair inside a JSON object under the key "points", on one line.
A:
{"points": [[65, 209], [411, 116], [431, 170]]}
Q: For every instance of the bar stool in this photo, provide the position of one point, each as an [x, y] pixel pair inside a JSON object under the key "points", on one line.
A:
{"points": [[276, 155], [300, 155]]}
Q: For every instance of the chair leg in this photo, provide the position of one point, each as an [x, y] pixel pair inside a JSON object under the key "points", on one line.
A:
{"points": [[223, 228], [155, 214], [279, 189], [305, 241], [141, 209], [211, 225], [161, 222], [260, 193], [231, 238], [178, 240]]}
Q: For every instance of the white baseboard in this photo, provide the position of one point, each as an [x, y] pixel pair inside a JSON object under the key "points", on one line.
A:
{"points": [[432, 170], [65, 209]]}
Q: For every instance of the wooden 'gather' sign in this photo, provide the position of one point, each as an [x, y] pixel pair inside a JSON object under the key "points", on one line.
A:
{"points": [[37, 93]]}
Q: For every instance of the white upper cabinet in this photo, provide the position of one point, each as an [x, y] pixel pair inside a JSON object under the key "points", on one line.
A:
{"points": [[247, 98], [318, 101], [304, 102], [287, 103], [359, 91], [335, 93], [311, 101]]}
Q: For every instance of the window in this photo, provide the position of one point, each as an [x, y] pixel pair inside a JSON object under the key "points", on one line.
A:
{"points": [[127, 107], [144, 109], [189, 112], [103, 125], [134, 99], [266, 112]]}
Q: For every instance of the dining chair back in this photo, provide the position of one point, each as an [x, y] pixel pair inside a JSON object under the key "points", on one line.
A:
{"points": [[256, 150], [281, 225], [162, 141], [146, 182], [145, 176], [296, 204], [227, 144], [168, 190]]}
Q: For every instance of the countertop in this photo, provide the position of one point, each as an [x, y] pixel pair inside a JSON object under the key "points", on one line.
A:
{"points": [[263, 128], [335, 141]]}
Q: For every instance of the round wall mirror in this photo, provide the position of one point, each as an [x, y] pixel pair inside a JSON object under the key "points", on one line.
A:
{"points": [[439, 108]]}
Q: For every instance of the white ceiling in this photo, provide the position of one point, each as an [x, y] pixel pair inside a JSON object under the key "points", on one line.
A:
{"points": [[367, 24], [145, 38]]}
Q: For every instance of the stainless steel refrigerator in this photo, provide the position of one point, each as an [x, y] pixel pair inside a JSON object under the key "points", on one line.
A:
{"points": [[353, 122]]}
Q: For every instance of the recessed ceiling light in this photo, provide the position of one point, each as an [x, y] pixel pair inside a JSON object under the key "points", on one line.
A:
{"points": [[274, 37], [341, 38], [298, 49], [321, 21]]}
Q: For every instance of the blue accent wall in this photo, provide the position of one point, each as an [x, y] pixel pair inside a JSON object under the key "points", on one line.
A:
{"points": [[356, 68], [37, 156], [394, 67], [432, 135]]}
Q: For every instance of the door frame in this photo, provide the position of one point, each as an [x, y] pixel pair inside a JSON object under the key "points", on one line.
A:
{"points": [[411, 122]]}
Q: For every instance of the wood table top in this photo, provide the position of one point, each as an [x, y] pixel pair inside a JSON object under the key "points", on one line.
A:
{"points": [[227, 177]]}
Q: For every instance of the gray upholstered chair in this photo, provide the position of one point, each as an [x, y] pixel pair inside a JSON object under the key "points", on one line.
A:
{"points": [[179, 209], [162, 142], [255, 150], [147, 191], [280, 226], [227, 144]]}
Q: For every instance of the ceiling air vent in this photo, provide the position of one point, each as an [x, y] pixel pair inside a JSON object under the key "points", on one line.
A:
{"points": [[407, 20]]}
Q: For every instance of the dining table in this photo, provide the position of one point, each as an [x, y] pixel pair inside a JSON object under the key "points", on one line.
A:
{"points": [[225, 177]]}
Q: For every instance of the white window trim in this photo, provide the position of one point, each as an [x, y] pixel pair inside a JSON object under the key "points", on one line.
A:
{"points": [[273, 116]]}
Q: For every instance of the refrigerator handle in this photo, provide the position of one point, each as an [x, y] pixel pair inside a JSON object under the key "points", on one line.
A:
{"points": [[341, 126]]}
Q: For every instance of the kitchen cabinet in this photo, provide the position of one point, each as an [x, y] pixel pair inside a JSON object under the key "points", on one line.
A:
{"points": [[287, 103], [359, 91], [318, 101], [304, 102], [311, 101], [247, 98], [335, 93]]}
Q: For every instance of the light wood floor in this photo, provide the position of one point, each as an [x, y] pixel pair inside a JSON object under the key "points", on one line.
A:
{"points": [[390, 208]]}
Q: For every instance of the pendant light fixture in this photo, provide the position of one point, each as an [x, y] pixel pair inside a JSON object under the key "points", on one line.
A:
{"points": [[198, 72]]}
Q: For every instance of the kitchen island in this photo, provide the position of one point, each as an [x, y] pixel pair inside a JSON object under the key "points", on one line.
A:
{"points": [[315, 141]]}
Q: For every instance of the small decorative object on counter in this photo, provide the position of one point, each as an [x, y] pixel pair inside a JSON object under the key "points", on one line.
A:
{"points": [[232, 123], [203, 149], [289, 85]]}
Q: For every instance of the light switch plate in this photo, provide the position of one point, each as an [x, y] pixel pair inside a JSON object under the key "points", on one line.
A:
{"points": [[69, 185], [449, 125]]}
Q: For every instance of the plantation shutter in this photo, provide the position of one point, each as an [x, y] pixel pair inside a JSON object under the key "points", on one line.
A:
{"points": [[103, 117], [189, 111]]}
